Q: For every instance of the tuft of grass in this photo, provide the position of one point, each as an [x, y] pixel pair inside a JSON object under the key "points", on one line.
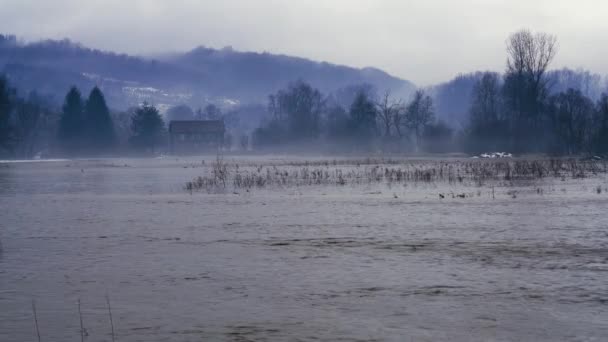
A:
{"points": [[221, 174]]}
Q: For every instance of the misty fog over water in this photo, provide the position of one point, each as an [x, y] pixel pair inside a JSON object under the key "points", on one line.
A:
{"points": [[524, 260]]}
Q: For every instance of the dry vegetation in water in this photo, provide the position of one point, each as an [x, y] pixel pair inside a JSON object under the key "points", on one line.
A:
{"points": [[222, 175]]}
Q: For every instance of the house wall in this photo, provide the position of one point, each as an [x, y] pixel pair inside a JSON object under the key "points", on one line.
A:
{"points": [[186, 143]]}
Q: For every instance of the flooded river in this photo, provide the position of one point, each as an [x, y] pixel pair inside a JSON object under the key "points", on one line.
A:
{"points": [[365, 262]]}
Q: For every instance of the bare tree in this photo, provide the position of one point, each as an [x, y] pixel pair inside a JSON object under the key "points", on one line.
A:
{"points": [[299, 106], [386, 110], [530, 53], [485, 102], [274, 108], [399, 119], [363, 117], [526, 87], [486, 123], [419, 114], [572, 116]]}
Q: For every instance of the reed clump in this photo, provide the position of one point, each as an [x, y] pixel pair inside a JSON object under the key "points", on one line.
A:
{"points": [[359, 172]]}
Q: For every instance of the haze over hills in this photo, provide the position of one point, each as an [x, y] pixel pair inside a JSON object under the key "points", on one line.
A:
{"points": [[196, 77], [226, 77]]}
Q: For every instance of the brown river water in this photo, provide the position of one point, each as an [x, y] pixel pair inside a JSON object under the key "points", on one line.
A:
{"points": [[365, 262]]}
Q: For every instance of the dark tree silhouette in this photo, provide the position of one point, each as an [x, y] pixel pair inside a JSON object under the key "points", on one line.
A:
{"points": [[387, 109], [600, 139], [437, 137], [486, 103], [29, 114], [572, 113], [99, 125], [72, 123], [6, 105], [363, 118], [487, 127], [147, 128], [337, 123], [526, 87], [295, 115], [300, 105], [419, 114]]}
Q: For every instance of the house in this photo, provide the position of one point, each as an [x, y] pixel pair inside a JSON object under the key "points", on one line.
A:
{"points": [[195, 136]]}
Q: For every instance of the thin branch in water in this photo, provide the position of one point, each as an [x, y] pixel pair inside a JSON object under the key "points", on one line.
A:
{"points": [[81, 324], [110, 314], [36, 319]]}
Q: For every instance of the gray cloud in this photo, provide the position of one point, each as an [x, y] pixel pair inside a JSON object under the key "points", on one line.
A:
{"points": [[425, 41]]}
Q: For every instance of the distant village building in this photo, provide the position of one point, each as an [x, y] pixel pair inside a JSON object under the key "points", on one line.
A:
{"points": [[195, 136]]}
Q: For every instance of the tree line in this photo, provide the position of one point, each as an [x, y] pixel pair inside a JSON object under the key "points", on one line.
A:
{"points": [[354, 117], [81, 127], [522, 110], [85, 126], [25, 122], [516, 111]]}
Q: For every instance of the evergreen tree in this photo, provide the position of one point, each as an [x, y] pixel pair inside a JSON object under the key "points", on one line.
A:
{"points": [[147, 128], [27, 123], [71, 124], [99, 125], [6, 106]]}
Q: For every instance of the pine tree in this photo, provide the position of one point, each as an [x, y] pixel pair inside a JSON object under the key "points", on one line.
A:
{"points": [[6, 105], [147, 126], [99, 125], [71, 125]]}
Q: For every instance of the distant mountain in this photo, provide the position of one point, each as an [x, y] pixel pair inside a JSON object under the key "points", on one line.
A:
{"points": [[197, 77], [247, 74]]}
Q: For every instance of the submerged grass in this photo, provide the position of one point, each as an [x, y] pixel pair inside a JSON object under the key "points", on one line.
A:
{"points": [[222, 175]]}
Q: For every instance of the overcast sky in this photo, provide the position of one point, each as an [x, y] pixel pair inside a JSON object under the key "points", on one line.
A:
{"points": [[425, 41]]}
